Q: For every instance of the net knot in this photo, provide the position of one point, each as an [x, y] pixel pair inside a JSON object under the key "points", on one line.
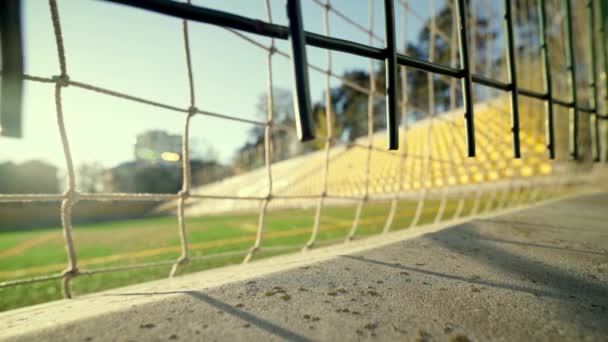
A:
{"points": [[182, 260], [62, 80], [272, 49], [70, 195], [192, 110], [184, 194], [327, 6], [71, 273]]}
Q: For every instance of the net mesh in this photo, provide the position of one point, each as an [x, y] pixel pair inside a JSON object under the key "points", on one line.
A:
{"points": [[430, 165]]}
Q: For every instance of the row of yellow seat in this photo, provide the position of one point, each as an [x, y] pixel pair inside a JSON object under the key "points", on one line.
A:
{"points": [[431, 154]]}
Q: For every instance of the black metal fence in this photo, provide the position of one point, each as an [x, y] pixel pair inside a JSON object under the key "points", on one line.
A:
{"points": [[10, 120], [300, 39]]}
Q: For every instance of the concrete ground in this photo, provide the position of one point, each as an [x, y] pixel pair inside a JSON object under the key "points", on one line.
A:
{"points": [[539, 274]]}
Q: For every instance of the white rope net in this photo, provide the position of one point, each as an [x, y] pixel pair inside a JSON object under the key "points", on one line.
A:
{"points": [[430, 169]]}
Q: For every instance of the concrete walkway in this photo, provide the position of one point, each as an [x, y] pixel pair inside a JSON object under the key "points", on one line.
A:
{"points": [[537, 274]]}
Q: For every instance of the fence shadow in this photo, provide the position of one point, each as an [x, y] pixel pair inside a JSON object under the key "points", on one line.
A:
{"points": [[537, 245], [568, 289], [261, 323]]}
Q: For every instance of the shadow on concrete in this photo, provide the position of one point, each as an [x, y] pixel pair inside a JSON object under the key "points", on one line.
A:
{"points": [[545, 274], [536, 225], [569, 289], [467, 280], [261, 323], [530, 244]]}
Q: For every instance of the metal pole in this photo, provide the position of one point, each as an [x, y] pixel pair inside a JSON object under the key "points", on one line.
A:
{"points": [[604, 64], [473, 23], [302, 107], [467, 89], [593, 90], [512, 70], [489, 41], [571, 66], [391, 77], [12, 66], [453, 52], [549, 124], [431, 51]]}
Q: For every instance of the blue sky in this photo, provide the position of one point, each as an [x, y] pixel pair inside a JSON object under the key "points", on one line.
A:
{"points": [[142, 54]]}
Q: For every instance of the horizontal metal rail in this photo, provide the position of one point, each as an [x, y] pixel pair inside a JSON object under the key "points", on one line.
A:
{"points": [[229, 20]]}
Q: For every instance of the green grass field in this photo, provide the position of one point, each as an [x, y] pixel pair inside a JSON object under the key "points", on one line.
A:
{"points": [[215, 240]]}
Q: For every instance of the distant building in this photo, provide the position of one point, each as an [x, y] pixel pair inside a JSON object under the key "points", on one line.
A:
{"points": [[120, 178], [29, 177], [143, 176], [158, 146]]}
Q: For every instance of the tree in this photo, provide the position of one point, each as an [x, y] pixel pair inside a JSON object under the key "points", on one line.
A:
{"points": [[90, 177], [201, 150], [284, 142], [350, 105], [29, 177]]}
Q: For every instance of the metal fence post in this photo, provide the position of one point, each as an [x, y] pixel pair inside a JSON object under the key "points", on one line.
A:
{"points": [[391, 77], [467, 88], [549, 124], [571, 66], [302, 105], [603, 9], [593, 96], [512, 70]]}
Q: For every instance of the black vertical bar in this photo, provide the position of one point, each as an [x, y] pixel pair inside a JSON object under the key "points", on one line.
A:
{"points": [[593, 96], [12, 69], [512, 70], [391, 77], [549, 124], [302, 107], [603, 8], [467, 89], [572, 70]]}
